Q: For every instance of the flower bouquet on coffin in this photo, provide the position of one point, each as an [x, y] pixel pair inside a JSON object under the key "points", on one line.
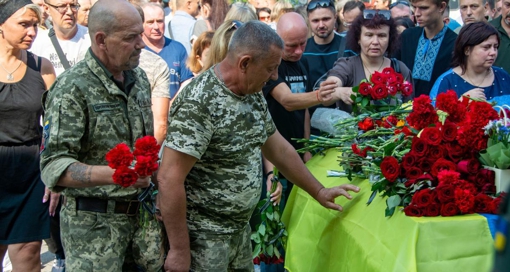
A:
{"points": [[270, 235], [440, 173], [496, 156], [129, 166]]}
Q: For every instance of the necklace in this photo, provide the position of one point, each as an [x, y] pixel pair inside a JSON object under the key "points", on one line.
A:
{"points": [[369, 72], [478, 85], [9, 74]]}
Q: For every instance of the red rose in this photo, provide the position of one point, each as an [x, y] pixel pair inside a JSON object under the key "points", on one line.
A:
{"points": [[410, 159], [392, 89], [419, 147], [442, 164], [377, 78], [423, 198], [400, 78], [435, 152], [367, 124], [468, 166], [432, 210], [426, 164], [124, 176], [365, 88], [379, 91], [431, 135], [145, 165], [256, 260], [146, 146], [413, 210], [464, 200], [449, 131], [449, 209], [445, 193], [390, 168], [404, 130], [389, 71], [391, 79], [454, 151], [480, 113], [119, 156], [483, 203], [406, 89], [413, 172], [484, 176]]}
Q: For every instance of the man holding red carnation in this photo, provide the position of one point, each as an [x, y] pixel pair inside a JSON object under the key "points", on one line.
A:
{"points": [[101, 102]]}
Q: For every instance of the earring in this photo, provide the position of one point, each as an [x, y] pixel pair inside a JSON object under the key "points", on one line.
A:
{"points": [[1, 31]]}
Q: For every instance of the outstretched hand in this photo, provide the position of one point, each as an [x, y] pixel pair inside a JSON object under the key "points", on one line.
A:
{"points": [[326, 196]]}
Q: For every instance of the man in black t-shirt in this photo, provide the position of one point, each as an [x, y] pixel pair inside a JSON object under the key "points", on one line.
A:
{"points": [[321, 50], [286, 97]]}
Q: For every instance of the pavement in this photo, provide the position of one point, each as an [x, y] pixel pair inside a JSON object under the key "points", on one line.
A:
{"points": [[46, 260]]}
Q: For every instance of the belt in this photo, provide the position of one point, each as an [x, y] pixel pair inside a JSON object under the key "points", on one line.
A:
{"points": [[99, 205]]}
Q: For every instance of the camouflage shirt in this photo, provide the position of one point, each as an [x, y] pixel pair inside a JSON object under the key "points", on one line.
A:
{"points": [[86, 115], [224, 132]]}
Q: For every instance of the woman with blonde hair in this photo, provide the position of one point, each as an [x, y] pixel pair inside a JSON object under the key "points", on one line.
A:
{"points": [[219, 44], [24, 220], [199, 52]]}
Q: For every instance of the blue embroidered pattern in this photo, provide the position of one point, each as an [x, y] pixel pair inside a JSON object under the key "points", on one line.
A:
{"points": [[426, 54]]}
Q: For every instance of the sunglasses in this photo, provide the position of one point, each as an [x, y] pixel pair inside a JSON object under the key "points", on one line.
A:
{"points": [[369, 14], [235, 25], [319, 3], [405, 3]]}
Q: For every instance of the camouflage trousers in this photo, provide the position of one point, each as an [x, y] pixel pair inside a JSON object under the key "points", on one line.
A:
{"points": [[220, 253], [109, 242]]}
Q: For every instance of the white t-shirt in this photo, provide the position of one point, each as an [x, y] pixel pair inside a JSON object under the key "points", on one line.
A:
{"points": [[74, 49]]}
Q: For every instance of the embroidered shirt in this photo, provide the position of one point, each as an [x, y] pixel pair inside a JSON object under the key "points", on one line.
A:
{"points": [[426, 55]]}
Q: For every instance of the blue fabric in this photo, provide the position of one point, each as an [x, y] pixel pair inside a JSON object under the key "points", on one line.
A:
{"points": [[175, 57], [453, 25], [498, 91], [426, 55], [492, 220]]}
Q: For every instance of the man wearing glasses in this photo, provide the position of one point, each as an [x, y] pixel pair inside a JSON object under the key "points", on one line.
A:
{"points": [[427, 49], [72, 39]]}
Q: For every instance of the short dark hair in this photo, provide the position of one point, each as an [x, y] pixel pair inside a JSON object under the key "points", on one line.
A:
{"points": [[435, 2], [350, 5], [404, 21], [354, 33], [469, 36]]}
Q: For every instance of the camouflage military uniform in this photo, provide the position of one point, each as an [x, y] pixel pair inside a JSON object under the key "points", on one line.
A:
{"points": [[87, 114], [225, 132]]}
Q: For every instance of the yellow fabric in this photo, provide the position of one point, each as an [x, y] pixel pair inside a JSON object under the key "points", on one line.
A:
{"points": [[362, 239]]}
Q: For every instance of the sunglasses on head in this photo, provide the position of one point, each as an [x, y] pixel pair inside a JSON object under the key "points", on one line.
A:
{"points": [[319, 3], [369, 14], [235, 25], [405, 3]]}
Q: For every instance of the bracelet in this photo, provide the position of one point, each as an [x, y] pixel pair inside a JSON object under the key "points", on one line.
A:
{"points": [[269, 173], [317, 94]]}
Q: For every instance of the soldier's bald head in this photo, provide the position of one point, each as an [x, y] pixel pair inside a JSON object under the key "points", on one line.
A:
{"points": [[109, 15]]}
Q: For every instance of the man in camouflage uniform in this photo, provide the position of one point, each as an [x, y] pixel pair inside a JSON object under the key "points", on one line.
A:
{"points": [[102, 101], [210, 176]]}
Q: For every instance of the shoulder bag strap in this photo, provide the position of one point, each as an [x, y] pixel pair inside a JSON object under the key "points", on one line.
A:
{"points": [[395, 64], [341, 48], [60, 53]]}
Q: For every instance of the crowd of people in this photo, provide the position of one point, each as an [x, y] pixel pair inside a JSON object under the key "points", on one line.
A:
{"points": [[225, 89]]}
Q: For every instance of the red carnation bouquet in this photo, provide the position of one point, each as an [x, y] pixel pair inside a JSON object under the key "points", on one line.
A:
{"points": [[129, 166]]}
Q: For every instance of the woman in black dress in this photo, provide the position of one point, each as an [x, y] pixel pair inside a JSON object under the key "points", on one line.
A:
{"points": [[24, 219]]}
